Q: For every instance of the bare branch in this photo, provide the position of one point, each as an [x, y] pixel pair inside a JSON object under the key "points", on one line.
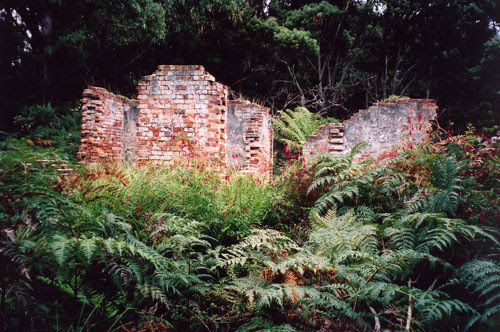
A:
{"points": [[375, 317]]}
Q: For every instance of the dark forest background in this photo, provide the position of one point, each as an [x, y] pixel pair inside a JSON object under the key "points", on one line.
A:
{"points": [[333, 57], [407, 243]]}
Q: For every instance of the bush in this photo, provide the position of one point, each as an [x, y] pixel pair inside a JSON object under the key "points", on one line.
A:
{"points": [[409, 242], [229, 206], [402, 244], [45, 125]]}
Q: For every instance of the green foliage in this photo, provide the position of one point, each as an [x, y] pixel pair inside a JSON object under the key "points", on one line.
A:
{"points": [[295, 126], [48, 126], [394, 98], [393, 261], [292, 39], [482, 278], [341, 177], [421, 232], [332, 57], [69, 245], [229, 206], [411, 244]]}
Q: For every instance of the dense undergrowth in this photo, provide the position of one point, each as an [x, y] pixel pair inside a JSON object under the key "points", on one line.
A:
{"points": [[407, 243]]}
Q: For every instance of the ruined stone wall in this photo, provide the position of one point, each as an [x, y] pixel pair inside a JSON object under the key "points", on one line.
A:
{"points": [[175, 105], [328, 139], [250, 138], [389, 123], [382, 126]]}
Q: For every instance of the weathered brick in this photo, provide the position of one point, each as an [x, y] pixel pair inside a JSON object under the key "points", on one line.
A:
{"points": [[184, 100]]}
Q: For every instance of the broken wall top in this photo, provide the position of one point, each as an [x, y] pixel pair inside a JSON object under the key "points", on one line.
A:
{"points": [[175, 105], [382, 126]]}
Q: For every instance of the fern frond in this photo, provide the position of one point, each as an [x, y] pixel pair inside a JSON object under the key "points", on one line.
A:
{"points": [[154, 293], [262, 324], [482, 278], [342, 234], [434, 306], [61, 248], [295, 127], [401, 238], [88, 246]]}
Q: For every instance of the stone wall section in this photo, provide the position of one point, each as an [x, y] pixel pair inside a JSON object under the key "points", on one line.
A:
{"points": [[390, 123], [177, 108], [382, 126], [250, 138], [328, 139]]}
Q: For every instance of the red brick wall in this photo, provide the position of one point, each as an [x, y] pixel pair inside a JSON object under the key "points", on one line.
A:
{"points": [[177, 107], [177, 104], [328, 139], [102, 126]]}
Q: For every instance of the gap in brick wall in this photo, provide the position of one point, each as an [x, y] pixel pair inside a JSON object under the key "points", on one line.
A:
{"points": [[182, 109]]}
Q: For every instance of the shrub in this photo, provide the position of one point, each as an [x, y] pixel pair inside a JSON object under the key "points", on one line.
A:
{"points": [[407, 243], [45, 125]]}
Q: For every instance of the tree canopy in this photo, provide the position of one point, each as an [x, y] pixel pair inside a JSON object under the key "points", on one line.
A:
{"points": [[333, 57]]}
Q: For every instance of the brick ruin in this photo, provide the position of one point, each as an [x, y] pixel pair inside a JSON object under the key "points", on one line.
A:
{"points": [[177, 108], [181, 107], [382, 126]]}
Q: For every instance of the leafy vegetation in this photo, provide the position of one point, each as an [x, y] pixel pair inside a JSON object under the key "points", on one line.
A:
{"points": [[332, 57], [408, 243], [295, 127]]}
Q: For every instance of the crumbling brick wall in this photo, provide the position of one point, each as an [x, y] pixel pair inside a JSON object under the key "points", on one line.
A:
{"points": [[175, 105], [328, 139], [102, 125], [382, 126], [250, 138]]}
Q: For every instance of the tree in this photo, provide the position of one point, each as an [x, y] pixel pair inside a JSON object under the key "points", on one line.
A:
{"points": [[53, 48], [333, 57]]}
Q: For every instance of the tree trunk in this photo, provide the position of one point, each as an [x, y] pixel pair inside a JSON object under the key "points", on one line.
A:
{"points": [[46, 32], [428, 84], [321, 101]]}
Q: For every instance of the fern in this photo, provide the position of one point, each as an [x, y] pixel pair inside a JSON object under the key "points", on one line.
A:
{"points": [[61, 247], [300, 262], [154, 293], [295, 127], [435, 306], [263, 294], [482, 279], [265, 325], [88, 247], [341, 177], [401, 238], [370, 276], [448, 190], [342, 234]]}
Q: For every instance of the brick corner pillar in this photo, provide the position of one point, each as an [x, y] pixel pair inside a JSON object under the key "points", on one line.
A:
{"points": [[180, 104], [102, 126], [249, 138]]}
